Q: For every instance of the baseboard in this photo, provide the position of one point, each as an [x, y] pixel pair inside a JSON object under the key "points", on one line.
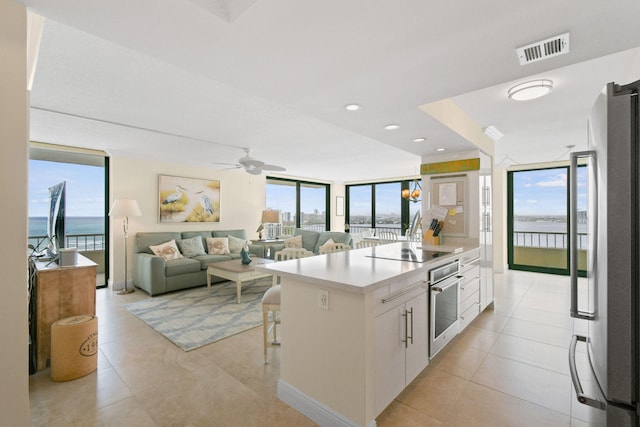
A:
{"points": [[116, 286], [311, 408]]}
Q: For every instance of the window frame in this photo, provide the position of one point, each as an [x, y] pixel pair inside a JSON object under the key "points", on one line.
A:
{"points": [[405, 219], [510, 225], [298, 183]]}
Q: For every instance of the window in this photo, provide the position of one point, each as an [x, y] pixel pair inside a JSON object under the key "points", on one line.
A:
{"points": [[360, 206], [538, 219], [388, 206], [85, 219], [302, 204], [382, 202]]}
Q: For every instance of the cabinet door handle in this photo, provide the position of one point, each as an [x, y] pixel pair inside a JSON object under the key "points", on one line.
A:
{"points": [[406, 329], [411, 337], [403, 292]]}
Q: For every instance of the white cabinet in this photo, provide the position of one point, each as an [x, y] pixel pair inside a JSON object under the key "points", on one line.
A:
{"points": [[486, 232], [470, 293], [401, 341]]}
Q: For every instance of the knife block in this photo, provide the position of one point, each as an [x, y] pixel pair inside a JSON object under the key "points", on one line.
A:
{"points": [[429, 239]]}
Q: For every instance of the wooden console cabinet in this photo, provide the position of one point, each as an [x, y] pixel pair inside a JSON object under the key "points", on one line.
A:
{"points": [[60, 292]]}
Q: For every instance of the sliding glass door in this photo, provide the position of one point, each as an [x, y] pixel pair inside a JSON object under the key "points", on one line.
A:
{"points": [[82, 209], [538, 219]]}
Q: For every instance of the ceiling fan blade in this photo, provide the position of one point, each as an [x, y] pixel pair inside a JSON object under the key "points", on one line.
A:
{"points": [[227, 164], [273, 168], [248, 161]]}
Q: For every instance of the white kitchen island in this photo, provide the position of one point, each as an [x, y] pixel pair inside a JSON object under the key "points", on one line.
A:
{"points": [[343, 365]]}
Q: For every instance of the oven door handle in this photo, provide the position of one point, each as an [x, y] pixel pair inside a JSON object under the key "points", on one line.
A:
{"points": [[443, 286]]}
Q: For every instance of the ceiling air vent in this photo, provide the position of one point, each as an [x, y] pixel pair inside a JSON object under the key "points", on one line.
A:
{"points": [[544, 49]]}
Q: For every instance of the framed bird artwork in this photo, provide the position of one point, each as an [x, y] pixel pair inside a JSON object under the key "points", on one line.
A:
{"points": [[183, 199]]}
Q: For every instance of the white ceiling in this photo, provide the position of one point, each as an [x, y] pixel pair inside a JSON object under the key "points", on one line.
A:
{"points": [[274, 75]]}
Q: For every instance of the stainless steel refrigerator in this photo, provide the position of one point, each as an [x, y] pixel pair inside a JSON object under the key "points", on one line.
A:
{"points": [[606, 301]]}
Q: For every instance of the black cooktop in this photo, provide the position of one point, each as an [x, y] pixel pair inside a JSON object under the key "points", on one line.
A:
{"points": [[404, 254]]}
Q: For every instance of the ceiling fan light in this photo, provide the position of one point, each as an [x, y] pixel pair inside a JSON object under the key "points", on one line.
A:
{"points": [[530, 90]]}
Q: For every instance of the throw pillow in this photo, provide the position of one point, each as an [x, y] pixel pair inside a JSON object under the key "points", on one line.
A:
{"points": [[294, 242], [218, 245], [235, 244], [191, 247], [167, 250], [328, 242]]}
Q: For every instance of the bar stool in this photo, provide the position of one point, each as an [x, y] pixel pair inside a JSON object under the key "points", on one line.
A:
{"points": [[271, 301]]}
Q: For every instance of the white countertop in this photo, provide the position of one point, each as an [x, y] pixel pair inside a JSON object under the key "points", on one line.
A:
{"points": [[355, 270]]}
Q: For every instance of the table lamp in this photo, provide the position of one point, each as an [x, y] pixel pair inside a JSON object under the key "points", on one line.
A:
{"points": [[271, 220]]}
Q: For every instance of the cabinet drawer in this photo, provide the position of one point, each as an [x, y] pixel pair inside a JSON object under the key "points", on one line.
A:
{"points": [[469, 288], [384, 301], [468, 315], [470, 259], [469, 301]]}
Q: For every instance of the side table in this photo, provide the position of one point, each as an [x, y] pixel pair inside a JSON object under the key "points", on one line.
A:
{"points": [[268, 245]]}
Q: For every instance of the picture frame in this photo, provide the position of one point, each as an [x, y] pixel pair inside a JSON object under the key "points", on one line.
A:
{"points": [[339, 206], [182, 199]]}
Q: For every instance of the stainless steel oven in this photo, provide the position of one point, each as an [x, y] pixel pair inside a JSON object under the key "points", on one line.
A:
{"points": [[444, 297]]}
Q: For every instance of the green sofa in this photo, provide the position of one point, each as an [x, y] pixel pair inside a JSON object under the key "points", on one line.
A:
{"points": [[155, 275], [312, 240]]}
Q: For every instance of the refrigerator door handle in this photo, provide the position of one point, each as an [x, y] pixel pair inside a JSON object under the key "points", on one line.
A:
{"points": [[573, 233], [582, 398]]}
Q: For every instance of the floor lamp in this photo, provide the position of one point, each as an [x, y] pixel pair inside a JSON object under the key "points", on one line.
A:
{"points": [[125, 208]]}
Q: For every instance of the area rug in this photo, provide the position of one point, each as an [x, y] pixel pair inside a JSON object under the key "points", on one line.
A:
{"points": [[197, 317]]}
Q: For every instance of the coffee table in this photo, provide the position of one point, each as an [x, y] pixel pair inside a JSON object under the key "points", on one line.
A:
{"points": [[236, 271]]}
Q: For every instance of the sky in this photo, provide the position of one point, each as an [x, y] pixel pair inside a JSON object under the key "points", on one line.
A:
{"points": [[84, 192], [544, 192], [283, 197]]}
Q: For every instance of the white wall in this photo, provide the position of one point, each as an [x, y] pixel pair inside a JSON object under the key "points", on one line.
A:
{"points": [[242, 199], [499, 220], [14, 375]]}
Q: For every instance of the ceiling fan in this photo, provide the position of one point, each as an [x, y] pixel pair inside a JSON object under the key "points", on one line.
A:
{"points": [[251, 165]]}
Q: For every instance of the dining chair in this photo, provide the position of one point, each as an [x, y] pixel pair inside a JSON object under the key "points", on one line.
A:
{"points": [[271, 300], [334, 247], [388, 236], [367, 243]]}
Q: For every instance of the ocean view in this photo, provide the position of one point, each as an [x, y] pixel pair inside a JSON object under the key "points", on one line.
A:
{"points": [[73, 225]]}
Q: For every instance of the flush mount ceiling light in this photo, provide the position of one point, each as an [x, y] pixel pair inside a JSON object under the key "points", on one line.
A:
{"points": [[352, 107], [392, 126], [440, 149], [419, 139], [530, 90]]}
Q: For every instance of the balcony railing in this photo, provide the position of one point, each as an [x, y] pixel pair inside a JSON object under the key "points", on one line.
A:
{"points": [[537, 239], [84, 242]]}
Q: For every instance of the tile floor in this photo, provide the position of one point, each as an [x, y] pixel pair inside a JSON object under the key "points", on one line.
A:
{"points": [[508, 368]]}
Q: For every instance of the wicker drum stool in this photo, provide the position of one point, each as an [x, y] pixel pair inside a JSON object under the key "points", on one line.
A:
{"points": [[74, 347]]}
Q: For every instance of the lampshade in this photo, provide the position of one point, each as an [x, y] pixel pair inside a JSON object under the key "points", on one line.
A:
{"points": [[271, 216], [125, 207], [413, 192]]}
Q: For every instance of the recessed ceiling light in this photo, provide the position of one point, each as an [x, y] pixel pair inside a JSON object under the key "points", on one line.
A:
{"points": [[419, 139], [352, 107], [392, 126], [440, 149], [492, 132], [530, 90]]}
